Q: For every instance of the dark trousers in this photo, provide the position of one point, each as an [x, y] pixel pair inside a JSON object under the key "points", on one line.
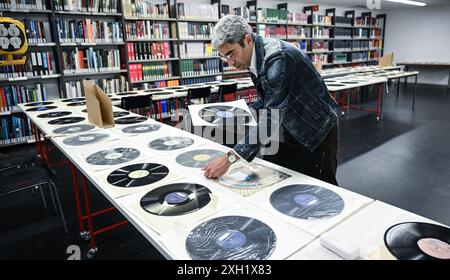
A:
{"points": [[320, 164]]}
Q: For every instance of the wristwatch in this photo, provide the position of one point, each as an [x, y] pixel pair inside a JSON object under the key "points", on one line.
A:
{"points": [[231, 157]]}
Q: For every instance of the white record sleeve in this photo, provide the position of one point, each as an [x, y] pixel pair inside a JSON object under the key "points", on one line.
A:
{"points": [[285, 240]]}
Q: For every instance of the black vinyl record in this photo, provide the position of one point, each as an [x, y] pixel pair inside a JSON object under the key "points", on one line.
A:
{"points": [[113, 156], [54, 114], [231, 238], [76, 99], [130, 120], [41, 108], [84, 139], [141, 128], [70, 129], [126, 93], [176, 199], [170, 143], [307, 202], [198, 158], [119, 114], [40, 103], [418, 241], [66, 120], [80, 103], [224, 115], [137, 175]]}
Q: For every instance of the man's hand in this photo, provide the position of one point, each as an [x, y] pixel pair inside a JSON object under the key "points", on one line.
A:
{"points": [[217, 168]]}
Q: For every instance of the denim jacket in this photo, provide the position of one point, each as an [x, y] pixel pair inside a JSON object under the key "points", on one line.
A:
{"points": [[288, 81]]}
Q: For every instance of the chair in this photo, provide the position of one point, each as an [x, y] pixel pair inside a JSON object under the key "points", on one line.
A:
{"points": [[203, 94], [30, 176], [386, 60], [227, 92], [141, 104]]}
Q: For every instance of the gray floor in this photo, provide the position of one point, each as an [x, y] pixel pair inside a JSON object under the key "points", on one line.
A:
{"points": [[403, 160]]}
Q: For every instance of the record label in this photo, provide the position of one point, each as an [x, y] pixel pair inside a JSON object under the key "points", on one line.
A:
{"points": [[198, 158], [54, 114], [307, 202], [141, 128], [137, 175], [170, 143], [113, 156], [85, 139], [176, 199], [418, 241], [41, 108], [66, 120], [73, 129], [130, 120], [231, 238]]}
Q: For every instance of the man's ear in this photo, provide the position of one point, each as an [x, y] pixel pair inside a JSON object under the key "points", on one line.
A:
{"points": [[248, 38]]}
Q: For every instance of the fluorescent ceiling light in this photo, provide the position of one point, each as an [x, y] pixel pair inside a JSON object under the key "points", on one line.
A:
{"points": [[408, 2]]}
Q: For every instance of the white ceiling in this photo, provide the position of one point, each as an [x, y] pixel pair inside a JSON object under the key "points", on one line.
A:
{"points": [[385, 5]]}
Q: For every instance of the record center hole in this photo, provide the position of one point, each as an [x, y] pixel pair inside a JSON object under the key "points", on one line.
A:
{"points": [[305, 199], [114, 155], [176, 197], [202, 157], [74, 129], [225, 114], [231, 239], [86, 138], [138, 174], [435, 248]]}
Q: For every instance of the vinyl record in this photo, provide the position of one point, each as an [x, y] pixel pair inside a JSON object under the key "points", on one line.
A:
{"points": [[198, 158], [66, 120], [252, 176], [119, 114], [231, 238], [141, 128], [176, 199], [307, 202], [54, 114], [170, 143], [113, 156], [224, 115], [76, 99], [41, 108], [80, 103], [130, 120], [418, 241], [137, 175], [78, 128], [126, 93], [41, 103], [84, 139]]}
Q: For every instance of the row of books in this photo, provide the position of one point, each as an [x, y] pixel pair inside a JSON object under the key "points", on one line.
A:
{"points": [[150, 71], [101, 6], [37, 64], [157, 84], [245, 12], [297, 18], [23, 4], [198, 80], [198, 11], [147, 50], [297, 32], [271, 15], [15, 129], [320, 19], [342, 33], [272, 31], [320, 32], [88, 31], [343, 21], [196, 49], [35, 30], [366, 21], [147, 29], [146, 8], [249, 95], [115, 85], [319, 46], [90, 60], [12, 95], [190, 30], [192, 67]]}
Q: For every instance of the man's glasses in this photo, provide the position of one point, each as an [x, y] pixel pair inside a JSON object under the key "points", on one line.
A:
{"points": [[230, 55]]}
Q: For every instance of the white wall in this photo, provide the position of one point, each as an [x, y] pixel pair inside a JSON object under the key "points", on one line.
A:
{"points": [[420, 34]]}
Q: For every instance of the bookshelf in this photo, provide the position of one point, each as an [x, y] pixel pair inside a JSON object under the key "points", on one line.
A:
{"points": [[140, 44]]}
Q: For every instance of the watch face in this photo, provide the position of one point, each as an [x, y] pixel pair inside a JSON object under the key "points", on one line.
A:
{"points": [[231, 158]]}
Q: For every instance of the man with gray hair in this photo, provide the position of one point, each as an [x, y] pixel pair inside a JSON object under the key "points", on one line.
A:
{"points": [[287, 81]]}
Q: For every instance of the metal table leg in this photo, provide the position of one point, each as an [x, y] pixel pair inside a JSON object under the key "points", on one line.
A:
{"points": [[414, 94]]}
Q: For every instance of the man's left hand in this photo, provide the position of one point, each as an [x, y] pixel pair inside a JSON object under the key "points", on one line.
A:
{"points": [[217, 168]]}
